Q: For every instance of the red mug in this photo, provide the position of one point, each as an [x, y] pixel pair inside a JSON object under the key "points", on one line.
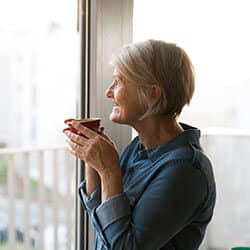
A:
{"points": [[91, 123]]}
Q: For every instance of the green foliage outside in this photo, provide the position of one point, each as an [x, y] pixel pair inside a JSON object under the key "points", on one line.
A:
{"points": [[19, 246], [34, 190], [3, 171]]}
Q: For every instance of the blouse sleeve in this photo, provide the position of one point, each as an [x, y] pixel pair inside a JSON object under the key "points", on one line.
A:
{"points": [[89, 202]]}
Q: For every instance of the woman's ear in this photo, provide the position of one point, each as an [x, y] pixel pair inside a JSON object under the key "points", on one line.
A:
{"points": [[156, 93]]}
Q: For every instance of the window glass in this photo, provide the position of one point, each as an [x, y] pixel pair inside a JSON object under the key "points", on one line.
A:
{"points": [[214, 34], [38, 77]]}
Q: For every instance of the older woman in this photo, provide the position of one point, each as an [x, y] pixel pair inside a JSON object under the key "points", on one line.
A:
{"points": [[160, 194]]}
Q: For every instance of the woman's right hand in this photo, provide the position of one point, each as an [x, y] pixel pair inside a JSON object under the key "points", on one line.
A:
{"points": [[98, 151]]}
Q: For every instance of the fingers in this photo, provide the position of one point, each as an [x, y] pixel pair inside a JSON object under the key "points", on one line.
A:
{"points": [[84, 130], [78, 144], [76, 149], [75, 137], [75, 153], [74, 146]]}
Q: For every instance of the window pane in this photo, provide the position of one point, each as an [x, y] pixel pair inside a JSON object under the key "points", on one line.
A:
{"points": [[214, 34], [38, 77]]}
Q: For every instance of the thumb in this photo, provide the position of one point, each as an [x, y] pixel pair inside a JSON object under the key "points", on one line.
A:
{"points": [[106, 137]]}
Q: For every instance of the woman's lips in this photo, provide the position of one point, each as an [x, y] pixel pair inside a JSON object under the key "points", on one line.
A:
{"points": [[115, 105]]}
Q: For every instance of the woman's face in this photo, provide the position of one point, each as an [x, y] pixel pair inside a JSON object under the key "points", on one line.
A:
{"points": [[126, 105]]}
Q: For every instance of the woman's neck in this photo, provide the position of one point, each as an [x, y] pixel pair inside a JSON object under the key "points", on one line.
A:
{"points": [[157, 130]]}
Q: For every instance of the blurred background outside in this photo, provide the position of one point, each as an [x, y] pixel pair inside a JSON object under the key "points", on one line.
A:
{"points": [[39, 57]]}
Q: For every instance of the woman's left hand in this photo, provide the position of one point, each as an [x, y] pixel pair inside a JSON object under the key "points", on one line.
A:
{"points": [[97, 150]]}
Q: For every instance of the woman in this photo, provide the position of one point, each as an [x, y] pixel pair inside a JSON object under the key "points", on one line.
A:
{"points": [[160, 194]]}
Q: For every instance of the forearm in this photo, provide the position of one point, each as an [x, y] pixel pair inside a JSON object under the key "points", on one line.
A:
{"points": [[111, 183], [92, 179]]}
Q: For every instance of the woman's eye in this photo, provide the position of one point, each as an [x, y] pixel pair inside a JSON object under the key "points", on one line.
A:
{"points": [[116, 82]]}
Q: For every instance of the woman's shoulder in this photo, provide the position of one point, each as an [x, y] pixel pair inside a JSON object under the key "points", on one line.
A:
{"points": [[192, 163]]}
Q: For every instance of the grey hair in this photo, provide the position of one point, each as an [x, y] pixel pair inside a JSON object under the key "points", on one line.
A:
{"points": [[155, 62]]}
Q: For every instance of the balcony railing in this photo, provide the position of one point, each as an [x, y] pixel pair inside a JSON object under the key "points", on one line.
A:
{"points": [[37, 198]]}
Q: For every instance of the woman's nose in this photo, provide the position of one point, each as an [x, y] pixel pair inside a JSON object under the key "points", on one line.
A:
{"points": [[109, 91]]}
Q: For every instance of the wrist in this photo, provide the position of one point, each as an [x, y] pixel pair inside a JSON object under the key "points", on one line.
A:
{"points": [[111, 182], [92, 179], [110, 173]]}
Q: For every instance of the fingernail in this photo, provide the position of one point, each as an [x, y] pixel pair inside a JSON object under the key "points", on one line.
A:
{"points": [[74, 123]]}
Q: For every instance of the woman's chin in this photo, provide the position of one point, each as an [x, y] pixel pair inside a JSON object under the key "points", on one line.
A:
{"points": [[115, 118]]}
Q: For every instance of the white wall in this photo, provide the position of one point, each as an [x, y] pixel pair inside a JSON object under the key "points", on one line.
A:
{"points": [[111, 28]]}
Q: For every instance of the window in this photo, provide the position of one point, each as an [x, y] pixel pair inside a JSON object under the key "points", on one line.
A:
{"points": [[215, 36], [39, 54]]}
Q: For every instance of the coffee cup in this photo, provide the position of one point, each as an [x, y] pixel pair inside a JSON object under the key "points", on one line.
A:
{"points": [[91, 123]]}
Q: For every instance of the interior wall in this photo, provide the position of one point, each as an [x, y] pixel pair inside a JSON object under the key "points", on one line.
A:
{"points": [[111, 28]]}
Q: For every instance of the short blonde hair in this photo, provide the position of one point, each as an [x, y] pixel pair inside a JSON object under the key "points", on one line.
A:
{"points": [[157, 62]]}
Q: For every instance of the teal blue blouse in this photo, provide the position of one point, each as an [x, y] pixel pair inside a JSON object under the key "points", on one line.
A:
{"points": [[168, 199]]}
